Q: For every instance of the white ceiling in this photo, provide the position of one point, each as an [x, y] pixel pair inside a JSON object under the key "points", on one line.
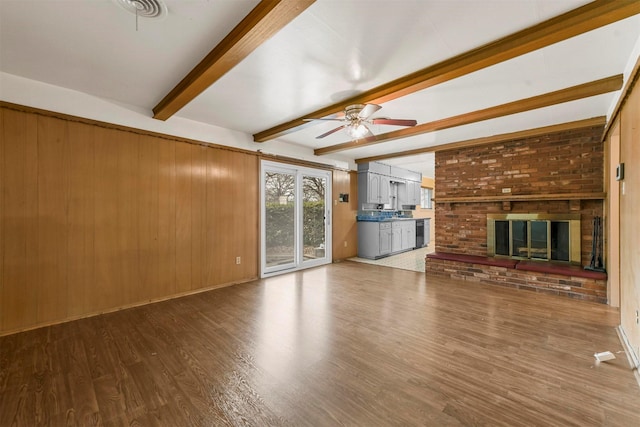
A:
{"points": [[333, 50]]}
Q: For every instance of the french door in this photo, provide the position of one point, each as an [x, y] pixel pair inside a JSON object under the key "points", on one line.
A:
{"points": [[295, 217]]}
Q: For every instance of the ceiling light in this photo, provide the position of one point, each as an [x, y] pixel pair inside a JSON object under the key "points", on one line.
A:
{"points": [[357, 130]]}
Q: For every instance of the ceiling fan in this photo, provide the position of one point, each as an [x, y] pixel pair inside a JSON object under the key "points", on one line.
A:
{"points": [[356, 117]]}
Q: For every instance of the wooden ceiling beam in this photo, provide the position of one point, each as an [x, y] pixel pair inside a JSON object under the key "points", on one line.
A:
{"points": [[573, 93], [528, 133], [578, 21], [265, 20]]}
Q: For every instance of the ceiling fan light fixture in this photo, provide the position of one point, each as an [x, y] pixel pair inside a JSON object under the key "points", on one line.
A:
{"points": [[357, 130], [356, 117]]}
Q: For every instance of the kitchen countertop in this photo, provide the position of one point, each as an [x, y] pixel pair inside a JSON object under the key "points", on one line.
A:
{"points": [[383, 219]]}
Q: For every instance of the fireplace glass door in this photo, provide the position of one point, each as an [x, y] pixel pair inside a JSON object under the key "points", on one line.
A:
{"points": [[520, 239], [528, 239], [538, 237], [538, 245], [560, 241], [502, 233]]}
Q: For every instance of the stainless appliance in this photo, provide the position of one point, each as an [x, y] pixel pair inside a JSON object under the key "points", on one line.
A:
{"points": [[420, 237]]}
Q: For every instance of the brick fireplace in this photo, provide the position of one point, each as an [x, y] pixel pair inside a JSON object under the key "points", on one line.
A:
{"points": [[551, 175]]}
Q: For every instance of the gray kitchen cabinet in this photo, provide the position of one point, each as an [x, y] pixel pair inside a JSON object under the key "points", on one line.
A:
{"points": [[403, 198], [374, 239], [408, 235], [385, 238], [414, 192], [396, 236], [373, 188], [375, 167], [409, 193], [379, 239], [383, 192]]}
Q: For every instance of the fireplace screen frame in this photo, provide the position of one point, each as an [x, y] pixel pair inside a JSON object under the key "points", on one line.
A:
{"points": [[574, 235]]}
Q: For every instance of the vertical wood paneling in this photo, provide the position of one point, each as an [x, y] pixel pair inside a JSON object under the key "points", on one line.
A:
{"points": [[80, 220], [128, 188], [183, 216], [213, 223], [629, 224], [339, 185], [2, 129], [93, 219], [232, 195], [198, 215], [234, 242], [20, 210], [52, 221], [250, 202], [344, 215], [108, 271], [148, 214], [226, 204], [167, 216], [237, 181], [612, 215]]}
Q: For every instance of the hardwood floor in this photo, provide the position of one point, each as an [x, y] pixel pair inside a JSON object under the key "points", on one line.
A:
{"points": [[344, 344]]}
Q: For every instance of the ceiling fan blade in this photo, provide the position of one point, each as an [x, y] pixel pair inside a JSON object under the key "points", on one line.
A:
{"points": [[368, 110], [395, 122], [324, 120], [330, 132]]}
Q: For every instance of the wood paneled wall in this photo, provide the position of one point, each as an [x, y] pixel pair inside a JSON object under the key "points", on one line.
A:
{"points": [[630, 219], [94, 219], [345, 229], [612, 215]]}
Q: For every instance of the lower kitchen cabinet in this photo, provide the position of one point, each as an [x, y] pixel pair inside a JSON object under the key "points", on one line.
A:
{"points": [[385, 238], [379, 239], [396, 236], [408, 235]]}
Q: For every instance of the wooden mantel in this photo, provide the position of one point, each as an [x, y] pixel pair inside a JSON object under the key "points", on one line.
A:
{"points": [[506, 199], [522, 197]]}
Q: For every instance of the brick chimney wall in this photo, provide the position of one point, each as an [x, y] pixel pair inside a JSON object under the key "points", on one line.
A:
{"points": [[565, 162]]}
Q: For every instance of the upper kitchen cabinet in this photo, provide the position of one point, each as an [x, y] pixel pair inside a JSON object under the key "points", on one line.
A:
{"points": [[380, 184], [374, 184], [377, 188], [408, 188], [409, 194]]}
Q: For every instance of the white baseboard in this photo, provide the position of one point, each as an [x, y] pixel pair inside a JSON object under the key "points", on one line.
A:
{"points": [[632, 357]]}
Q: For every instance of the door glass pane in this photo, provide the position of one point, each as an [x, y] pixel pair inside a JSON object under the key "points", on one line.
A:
{"points": [[279, 218], [539, 239], [313, 220], [520, 239]]}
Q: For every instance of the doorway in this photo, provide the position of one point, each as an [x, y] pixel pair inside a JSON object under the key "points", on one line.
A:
{"points": [[295, 217]]}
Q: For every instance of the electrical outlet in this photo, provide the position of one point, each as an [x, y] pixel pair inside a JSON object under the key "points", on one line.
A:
{"points": [[238, 260], [506, 190], [345, 243]]}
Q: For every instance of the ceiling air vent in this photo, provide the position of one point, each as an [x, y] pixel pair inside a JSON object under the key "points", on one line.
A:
{"points": [[144, 8]]}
